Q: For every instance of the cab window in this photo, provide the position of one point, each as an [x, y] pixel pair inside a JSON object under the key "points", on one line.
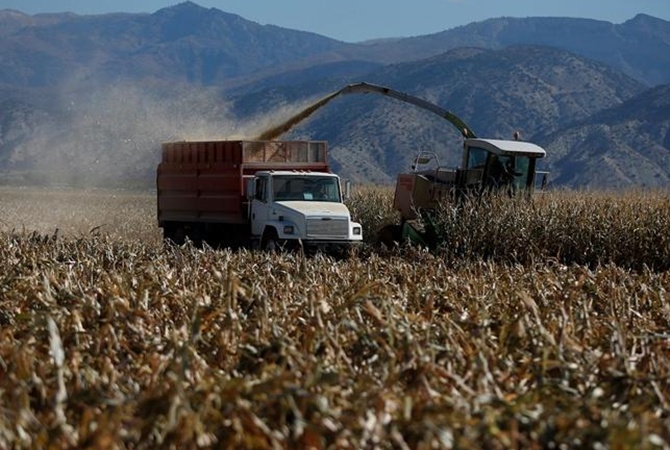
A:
{"points": [[261, 188], [476, 158]]}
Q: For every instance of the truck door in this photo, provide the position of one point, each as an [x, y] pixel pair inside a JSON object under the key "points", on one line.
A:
{"points": [[260, 205]]}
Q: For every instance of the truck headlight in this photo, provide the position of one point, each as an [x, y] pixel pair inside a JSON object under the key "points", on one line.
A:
{"points": [[357, 231], [288, 229]]}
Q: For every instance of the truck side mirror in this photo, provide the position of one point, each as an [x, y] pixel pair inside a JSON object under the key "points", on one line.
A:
{"points": [[251, 188], [347, 190]]}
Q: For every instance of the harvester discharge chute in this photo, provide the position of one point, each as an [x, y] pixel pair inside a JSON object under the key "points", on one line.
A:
{"points": [[367, 88]]}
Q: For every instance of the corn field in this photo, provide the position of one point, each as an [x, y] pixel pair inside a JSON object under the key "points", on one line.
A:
{"points": [[531, 325]]}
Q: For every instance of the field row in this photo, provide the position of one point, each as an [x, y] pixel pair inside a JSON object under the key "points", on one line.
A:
{"points": [[630, 230], [119, 342]]}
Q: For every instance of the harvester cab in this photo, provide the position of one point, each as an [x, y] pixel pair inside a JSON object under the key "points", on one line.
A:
{"points": [[503, 164], [488, 165]]}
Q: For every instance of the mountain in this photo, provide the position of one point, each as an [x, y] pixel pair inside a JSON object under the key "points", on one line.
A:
{"points": [[87, 99], [626, 145], [639, 47], [206, 46], [12, 21], [183, 43]]}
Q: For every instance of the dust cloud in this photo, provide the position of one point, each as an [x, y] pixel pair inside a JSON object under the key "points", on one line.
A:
{"points": [[109, 135], [100, 135]]}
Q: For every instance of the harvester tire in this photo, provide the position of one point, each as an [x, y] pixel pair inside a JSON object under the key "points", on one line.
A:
{"points": [[389, 236]]}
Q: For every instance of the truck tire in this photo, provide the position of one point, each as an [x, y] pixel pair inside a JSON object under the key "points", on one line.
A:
{"points": [[270, 241], [174, 233]]}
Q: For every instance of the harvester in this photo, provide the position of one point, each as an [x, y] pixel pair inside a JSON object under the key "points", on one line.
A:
{"points": [[487, 166]]}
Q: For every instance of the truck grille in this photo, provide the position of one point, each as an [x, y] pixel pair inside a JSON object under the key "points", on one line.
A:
{"points": [[333, 228]]}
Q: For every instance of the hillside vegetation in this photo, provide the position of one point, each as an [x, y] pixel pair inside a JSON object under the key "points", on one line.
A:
{"points": [[110, 339]]}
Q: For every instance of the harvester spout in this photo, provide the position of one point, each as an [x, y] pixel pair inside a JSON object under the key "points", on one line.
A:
{"points": [[274, 133], [456, 121], [366, 88]]}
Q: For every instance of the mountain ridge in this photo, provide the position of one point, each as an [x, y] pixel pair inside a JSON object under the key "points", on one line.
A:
{"points": [[95, 90]]}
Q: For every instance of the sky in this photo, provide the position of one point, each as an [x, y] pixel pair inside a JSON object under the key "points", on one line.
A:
{"points": [[358, 20]]}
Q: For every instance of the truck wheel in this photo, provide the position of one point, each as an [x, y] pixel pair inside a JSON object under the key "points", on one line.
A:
{"points": [[270, 241], [179, 236], [271, 245], [174, 233]]}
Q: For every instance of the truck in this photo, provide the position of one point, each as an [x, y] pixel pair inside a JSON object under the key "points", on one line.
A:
{"points": [[253, 193]]}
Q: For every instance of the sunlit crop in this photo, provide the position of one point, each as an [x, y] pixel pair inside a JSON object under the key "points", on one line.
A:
{"points": [[556, 336]]}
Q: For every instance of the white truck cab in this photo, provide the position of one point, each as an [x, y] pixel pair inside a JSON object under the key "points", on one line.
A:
{"points": [[300, 209]]}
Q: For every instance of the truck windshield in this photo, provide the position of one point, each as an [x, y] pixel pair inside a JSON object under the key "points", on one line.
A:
{"points": [[306, 187]]}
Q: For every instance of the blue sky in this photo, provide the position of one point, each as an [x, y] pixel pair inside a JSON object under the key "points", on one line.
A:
{"points": [[356, 20]]}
